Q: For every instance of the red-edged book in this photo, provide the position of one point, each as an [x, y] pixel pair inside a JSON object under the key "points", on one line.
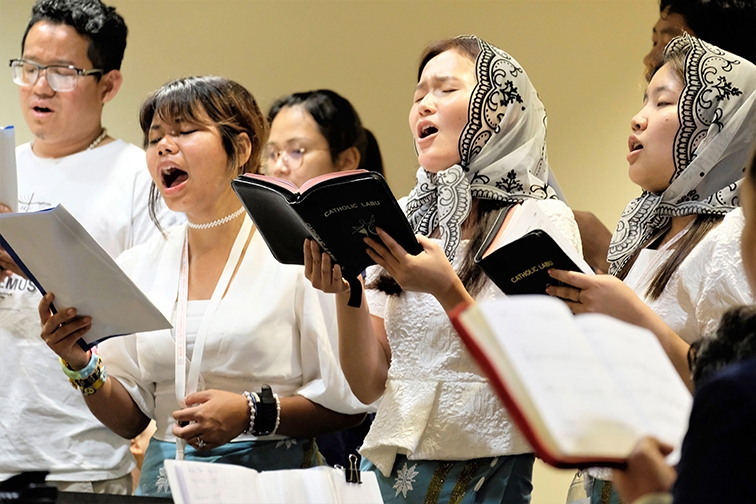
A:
{"points": [[582, 389]]}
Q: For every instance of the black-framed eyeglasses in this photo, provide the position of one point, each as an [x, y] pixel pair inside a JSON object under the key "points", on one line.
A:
{"points": [[59, 77]]}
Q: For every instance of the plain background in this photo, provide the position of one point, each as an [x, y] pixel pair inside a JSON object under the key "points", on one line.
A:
{"points": [[583, 56]]}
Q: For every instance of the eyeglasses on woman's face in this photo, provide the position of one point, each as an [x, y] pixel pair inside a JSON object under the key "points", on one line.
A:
{"points": [[290, 156], [61, 78]]}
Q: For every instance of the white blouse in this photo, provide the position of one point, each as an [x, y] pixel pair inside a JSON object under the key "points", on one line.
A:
{"points": [[708, 282], [438, 405], [271, 327]]}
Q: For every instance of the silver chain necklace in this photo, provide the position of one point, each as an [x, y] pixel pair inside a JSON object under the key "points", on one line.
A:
{"points": [[217, 222]]}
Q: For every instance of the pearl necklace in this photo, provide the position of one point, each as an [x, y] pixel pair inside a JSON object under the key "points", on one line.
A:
{"points": [[98, 139], [218, 222]]}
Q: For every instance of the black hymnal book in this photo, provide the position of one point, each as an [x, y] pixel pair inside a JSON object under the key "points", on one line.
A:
{"points": [[338, 210], [522, 246]]}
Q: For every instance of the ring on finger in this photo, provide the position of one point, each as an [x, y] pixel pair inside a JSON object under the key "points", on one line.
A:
{"points": [[578, 296]]}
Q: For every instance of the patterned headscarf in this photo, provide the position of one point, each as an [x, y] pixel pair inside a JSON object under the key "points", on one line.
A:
{"points": [[711, 148], [502, 150]]}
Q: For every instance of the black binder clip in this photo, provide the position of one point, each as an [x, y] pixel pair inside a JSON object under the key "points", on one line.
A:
{"points": [[352, 472]]}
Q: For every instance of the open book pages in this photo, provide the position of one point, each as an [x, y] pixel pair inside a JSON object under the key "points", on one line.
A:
{"points": [[521, 220], [201, 482], [8, 181], [583, 389], [58, 255]]}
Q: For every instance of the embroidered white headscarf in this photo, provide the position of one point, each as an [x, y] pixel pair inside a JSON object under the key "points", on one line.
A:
{"points": [[717, 118], [502, 150]]}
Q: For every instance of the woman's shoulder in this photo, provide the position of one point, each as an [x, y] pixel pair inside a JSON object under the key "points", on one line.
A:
{"points": [[152, 249], [722, 241]]}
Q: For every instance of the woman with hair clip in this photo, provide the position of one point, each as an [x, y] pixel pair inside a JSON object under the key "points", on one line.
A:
{"points": [[676, 246], [259, 379], [440, 434], [314, 133]]}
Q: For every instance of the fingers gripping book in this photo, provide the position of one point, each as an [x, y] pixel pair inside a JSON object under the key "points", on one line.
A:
{"points": [[338, 210], [57, 254], [582, 389]]}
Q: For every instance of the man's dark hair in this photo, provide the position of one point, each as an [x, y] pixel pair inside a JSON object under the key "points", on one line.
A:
{"points": [[728, 24], [92, 19]]}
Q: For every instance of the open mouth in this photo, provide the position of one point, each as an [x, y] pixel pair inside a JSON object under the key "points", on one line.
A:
{"points": [[428, 131], [173, 177], [42, 109]]}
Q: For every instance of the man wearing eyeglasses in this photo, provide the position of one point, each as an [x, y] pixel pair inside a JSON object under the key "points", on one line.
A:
{"points": [[68, 70]]}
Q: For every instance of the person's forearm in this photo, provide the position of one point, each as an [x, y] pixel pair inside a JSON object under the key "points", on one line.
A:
{"points": [[114, 407], [363, 358], [455, 295], [301, 417]]}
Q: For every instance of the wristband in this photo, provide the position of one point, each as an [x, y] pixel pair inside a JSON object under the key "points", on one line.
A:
{"points": [[267, 414], [82, 373]]}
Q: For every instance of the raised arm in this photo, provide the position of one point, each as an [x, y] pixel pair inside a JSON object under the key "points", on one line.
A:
{"points": [[111, 403], [364, 351]]}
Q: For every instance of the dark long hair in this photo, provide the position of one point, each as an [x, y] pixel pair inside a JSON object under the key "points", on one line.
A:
{"points": [[212, 100]]}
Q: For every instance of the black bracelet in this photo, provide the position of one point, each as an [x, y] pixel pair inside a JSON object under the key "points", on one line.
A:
{"points": [[266, 413]]}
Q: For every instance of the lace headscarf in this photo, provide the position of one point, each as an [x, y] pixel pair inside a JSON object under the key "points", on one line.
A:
{"points": [[711, 148], [502, 150]]}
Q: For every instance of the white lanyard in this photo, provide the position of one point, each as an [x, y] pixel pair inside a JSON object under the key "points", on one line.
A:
{"points": [[184, 386]]}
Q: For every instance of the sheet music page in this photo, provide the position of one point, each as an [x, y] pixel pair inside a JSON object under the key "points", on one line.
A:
{"points": [[204, 483], [640, 366], [201, 482], [66, 260], [576, 396], [8, 176]]}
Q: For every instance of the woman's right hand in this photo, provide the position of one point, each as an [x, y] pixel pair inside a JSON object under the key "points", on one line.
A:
{"points": [[320, 271], [62, 331]]}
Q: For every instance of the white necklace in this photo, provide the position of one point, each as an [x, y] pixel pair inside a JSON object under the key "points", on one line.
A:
{"points": [[98, 139], [218, 222]]}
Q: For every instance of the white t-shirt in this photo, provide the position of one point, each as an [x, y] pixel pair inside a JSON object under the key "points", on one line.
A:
{"points": [[438, 404], [270, 327], [45, 423]]}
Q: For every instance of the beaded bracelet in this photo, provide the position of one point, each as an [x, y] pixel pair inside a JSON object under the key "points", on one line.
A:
{"points": [[252, 399], [278, 414], [81, 373]]}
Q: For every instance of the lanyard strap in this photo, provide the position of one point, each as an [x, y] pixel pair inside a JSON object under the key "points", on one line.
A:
{"points": [[186, 386]]}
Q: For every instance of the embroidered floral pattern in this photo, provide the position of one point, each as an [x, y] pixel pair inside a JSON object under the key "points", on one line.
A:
{"points": [[162, 481], [405, 477], [288, 442], [725, 89], [509, 183]]}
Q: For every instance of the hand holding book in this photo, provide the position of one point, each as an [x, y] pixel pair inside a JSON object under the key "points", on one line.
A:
{"points": [[429, 271]]}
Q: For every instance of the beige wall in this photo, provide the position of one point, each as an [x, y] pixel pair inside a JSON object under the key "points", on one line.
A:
{"points": [[584, 57]]}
